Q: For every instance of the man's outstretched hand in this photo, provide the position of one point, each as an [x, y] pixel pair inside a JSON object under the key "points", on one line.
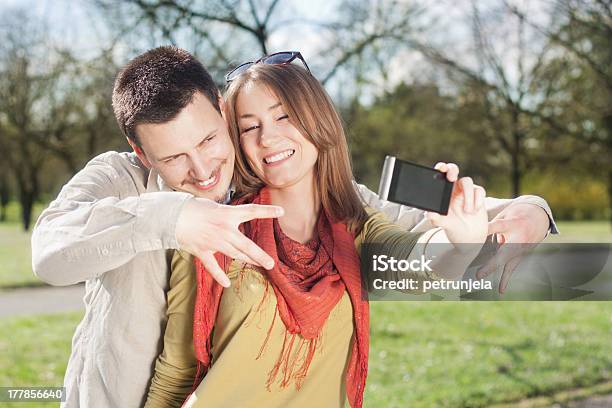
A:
{"points": [[522, 226], [205, 227]]}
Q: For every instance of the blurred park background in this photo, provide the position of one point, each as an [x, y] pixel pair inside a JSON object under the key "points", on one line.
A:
{"points": [[518, 93]]}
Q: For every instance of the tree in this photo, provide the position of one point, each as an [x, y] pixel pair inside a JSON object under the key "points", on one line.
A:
{"points": [[508, 61], [417, 122], [50, 104], [21, 89], [224, 32], [581, 109]]}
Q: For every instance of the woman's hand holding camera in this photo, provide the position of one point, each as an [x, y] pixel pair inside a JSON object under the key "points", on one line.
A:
{"points": [[466, 221]]}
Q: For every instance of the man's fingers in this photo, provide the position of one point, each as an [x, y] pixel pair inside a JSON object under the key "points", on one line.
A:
{"points": [[500, 226], [254, 252], [487, 269], [252, 211], [211, 265], [500, 258], [236, 253], [509, 269]]}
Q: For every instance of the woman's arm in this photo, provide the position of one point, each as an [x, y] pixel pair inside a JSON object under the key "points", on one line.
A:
{"points": [[413, 219], [448, 250], [175, 368], [379, 236]]}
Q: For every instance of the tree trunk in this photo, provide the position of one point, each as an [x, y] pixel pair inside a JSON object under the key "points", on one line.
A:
{"points": [[516, 176], [610, 196], [28, 194], [516, 152], [4, 198], [27, 202]]}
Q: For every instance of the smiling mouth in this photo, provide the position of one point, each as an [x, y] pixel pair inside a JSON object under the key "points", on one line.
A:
{"points": [[278, 157], [209, 182]]}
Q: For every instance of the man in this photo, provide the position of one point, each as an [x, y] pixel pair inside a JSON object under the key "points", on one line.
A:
{"points": [[114, 223]]}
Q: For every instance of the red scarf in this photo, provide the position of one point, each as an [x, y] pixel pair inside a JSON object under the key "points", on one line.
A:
{"points": [[306, 293]]}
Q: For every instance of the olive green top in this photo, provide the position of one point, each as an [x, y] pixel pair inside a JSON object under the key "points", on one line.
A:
{"points": [[237, 377]]}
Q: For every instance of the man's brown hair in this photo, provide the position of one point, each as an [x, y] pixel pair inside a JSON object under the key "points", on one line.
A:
{"points": [[155, 86]]}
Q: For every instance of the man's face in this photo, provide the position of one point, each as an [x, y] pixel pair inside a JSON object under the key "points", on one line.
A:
{"points": [[193, 152]]}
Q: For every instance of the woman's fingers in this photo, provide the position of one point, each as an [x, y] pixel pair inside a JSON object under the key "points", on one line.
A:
{"points": [[467, 187], [451, 170], [479, 197], [437, 220]]}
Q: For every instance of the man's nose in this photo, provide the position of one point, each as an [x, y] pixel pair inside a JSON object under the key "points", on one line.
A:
{"points": [[198, 168]]}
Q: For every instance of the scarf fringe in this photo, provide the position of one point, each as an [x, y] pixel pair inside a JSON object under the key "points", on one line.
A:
{"points": [[293, 365]]}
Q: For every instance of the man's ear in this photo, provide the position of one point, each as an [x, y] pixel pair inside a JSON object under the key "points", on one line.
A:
{"points": [[140, 153]]}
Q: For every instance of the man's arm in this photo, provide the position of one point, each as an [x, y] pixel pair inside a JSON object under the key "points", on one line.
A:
{"points": [[92, 227], [413, 219]]}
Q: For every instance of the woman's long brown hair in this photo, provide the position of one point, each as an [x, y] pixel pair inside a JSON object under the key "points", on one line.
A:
{"points": [[312, 112]]}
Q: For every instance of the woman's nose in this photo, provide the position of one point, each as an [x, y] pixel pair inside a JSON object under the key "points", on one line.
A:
{"points": [[268, 137]]}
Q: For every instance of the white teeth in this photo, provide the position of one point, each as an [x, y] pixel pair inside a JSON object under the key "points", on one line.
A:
{"points": [[207, 182], [279, 156]]}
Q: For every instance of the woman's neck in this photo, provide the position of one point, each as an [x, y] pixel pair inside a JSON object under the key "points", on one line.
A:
{"points": [[302, 205]]}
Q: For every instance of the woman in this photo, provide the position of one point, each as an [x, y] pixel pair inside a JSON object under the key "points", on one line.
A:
{"points": [[298, 334]]}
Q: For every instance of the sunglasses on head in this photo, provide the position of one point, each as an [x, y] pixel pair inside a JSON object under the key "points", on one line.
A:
{"points": [[278, 58]]}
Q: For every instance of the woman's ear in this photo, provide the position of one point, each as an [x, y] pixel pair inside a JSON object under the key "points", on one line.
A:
{"points": [[222, 107]]}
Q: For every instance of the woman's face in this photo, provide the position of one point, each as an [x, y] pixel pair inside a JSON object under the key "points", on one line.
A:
{"points": [[277, 151]]}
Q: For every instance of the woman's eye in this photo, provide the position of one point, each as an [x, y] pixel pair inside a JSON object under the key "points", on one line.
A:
{"points": [[248, 129], [283, 117]]}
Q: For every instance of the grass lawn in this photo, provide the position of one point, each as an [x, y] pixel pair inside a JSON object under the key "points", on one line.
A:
{"points": [[15, 257], [582, 231], [15, 251], [471, 354], [423, 354], [34, 351]]}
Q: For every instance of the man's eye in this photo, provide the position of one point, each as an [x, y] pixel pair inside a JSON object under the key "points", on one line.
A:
{"points": [[174, 161], [208, 139]]}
